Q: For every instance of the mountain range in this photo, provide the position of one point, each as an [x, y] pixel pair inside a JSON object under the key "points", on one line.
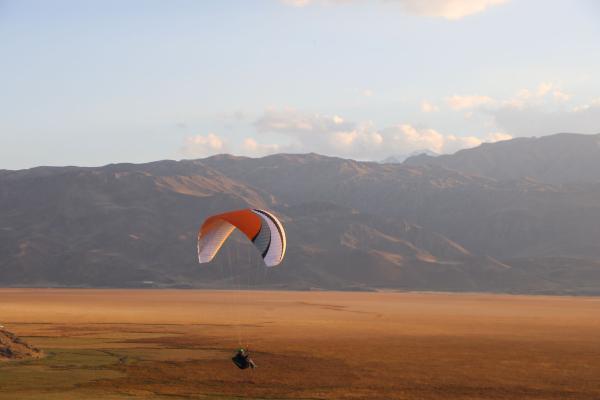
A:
{"points": [[520, 216]]}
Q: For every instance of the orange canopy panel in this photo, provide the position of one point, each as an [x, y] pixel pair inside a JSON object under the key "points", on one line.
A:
{"points": [[245, 220]]}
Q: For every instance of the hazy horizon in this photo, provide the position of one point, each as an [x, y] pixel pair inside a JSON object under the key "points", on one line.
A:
{"points": [[390, 159]]}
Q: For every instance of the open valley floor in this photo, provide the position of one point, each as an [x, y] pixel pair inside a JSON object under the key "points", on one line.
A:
{"points": [[177, 344]]}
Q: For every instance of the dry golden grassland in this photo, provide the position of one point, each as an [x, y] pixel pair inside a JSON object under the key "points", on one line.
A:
{"points": [[169, 344]]}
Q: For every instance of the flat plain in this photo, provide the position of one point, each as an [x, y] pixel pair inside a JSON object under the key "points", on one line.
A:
{"points": [[177, 344]]}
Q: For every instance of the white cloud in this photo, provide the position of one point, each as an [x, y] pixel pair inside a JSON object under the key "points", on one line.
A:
{"points": [[320, 133], [358, 141], [203, 146], [542, 110], [448, 9], [537, 120], [296, 3], [457, 102], [536, 111], [586, 106], [405, 138], [290, 122], [454, 143], [549, 88], [428, 107], [498, 137], [253, 148], [334, 135], [544, 88], [546, 92], [560, 95]]}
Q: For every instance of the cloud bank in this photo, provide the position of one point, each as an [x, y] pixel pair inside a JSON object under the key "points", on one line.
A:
{"points": [[202, 146], [543, 110], [536, 111], [333, 135]]}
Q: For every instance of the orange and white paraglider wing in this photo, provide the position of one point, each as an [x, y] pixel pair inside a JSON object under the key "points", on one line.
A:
{"points": [[261, 227]]}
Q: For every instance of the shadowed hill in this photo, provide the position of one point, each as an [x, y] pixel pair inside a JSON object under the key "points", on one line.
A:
{"points": [[561, 158]]}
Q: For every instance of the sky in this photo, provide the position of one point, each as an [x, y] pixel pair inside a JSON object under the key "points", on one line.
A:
{"points": [[96, 82]]}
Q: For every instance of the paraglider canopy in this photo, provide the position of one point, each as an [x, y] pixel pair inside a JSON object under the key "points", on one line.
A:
{"points": [[261, 227]]}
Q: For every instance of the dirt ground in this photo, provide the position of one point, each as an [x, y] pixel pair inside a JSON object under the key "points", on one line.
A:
{"points": [[177, 344]]}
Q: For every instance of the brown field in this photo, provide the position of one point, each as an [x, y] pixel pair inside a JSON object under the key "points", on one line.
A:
{"points": [[164, 344]]}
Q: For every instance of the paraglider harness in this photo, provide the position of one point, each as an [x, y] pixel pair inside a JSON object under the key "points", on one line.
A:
{"points": [[242, 360]]}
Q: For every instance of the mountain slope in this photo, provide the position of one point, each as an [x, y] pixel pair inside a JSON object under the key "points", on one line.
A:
{"points": [[561, 158], [133, 225], [350, 224], [502, 219]]}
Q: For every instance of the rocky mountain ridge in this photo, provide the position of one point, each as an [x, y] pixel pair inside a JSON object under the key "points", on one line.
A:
{"points": [[350, 224]]}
